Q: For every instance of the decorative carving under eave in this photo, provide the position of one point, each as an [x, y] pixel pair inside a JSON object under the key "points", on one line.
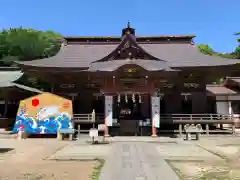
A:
{"points": [[126, 45], [128, 48], [168, 85], [191, 85]]}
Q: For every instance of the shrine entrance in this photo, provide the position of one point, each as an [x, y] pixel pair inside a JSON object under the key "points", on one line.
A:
{"points": [[129, 114], [129, 105]]}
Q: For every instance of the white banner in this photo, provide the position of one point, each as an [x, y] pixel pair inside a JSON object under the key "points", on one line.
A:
{"points": [[108, 110], [155, 111]]}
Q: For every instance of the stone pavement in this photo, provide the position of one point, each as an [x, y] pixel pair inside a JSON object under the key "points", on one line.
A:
{"points": [[136, 161], [79, 150], [185, 151]]}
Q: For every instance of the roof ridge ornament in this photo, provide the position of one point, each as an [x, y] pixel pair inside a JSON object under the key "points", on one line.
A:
{"points": [[128, 25], [128, 30]]}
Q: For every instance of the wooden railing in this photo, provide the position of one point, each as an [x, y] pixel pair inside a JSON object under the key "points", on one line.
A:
{"points": [[88, 118], [207, 120], [83, 118], [196, 118], [166, 118]]}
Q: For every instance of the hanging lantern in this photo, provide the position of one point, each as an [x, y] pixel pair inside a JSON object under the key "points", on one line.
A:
{"points": [[133, 98], [140, 99], [126, 98], [119, 98]]}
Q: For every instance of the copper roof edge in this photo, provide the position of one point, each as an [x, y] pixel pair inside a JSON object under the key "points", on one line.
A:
{"points": [[118, 37]]}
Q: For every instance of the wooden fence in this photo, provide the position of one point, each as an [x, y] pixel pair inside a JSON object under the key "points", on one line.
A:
{"points": [[206, 120]]}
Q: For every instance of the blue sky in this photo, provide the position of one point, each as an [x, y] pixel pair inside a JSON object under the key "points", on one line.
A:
{"points": [[213, 21]]}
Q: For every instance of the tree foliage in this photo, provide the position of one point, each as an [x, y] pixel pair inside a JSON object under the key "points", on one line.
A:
{"points": [[19, 44], [27, 44], [237, 51], [206, 49]]}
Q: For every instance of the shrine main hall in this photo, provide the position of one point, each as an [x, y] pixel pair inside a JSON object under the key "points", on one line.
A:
{"points": [[134, 80]]}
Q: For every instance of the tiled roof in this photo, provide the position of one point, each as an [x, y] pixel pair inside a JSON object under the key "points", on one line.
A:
{"points": [[118, 38], [235, 79], [177, 55], [7, 77]]}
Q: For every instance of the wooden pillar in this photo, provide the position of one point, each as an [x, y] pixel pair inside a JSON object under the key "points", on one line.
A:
{"points": [[108, 114], [52, 88], [5, 108]]}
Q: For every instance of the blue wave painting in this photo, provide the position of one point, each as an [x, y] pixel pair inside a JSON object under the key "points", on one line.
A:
{"points": [[49, 125]]}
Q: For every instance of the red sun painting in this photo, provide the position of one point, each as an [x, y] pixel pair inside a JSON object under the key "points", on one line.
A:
{"points": [[35, 102]]}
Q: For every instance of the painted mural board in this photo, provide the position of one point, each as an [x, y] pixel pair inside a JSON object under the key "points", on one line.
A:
{"points": [[44, 114]]}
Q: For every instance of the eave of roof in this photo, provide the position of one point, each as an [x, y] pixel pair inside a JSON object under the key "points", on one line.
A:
{"points": [[235, 79], [232, 82], [7, 77], [149, 65], [220, 90], [27, 88]]}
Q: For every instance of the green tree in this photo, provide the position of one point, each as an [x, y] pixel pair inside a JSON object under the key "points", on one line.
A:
{"points": [[28, 44], [3, 44], [206, 49], [237, 51], [19, 44]]}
